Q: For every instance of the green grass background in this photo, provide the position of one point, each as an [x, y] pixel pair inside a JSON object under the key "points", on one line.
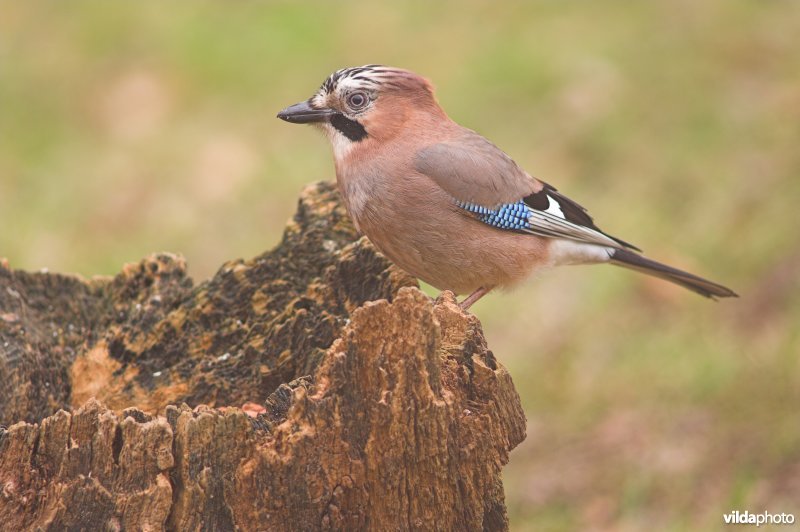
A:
{"points": [[133, 127]]}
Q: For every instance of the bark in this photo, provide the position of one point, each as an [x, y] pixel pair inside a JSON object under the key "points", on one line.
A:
{"points": [[382, 409]]}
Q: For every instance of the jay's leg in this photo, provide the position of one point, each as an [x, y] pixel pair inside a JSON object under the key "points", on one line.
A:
{"points": [[474, 296]]}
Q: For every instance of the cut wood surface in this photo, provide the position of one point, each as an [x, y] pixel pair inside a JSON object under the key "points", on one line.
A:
{"points": [[382, 409]]}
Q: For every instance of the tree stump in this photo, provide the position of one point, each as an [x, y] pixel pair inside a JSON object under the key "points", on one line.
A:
{"points": [[382, 409]]}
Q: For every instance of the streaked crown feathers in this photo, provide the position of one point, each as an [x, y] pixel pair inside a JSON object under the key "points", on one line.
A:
{"points": [[372, 78]]}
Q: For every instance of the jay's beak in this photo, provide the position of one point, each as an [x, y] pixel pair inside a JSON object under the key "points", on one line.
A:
{"points": [[303, 113]]}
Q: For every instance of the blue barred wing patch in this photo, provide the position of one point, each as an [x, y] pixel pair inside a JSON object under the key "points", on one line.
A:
{"points": [[513, 216], [544, 214]]}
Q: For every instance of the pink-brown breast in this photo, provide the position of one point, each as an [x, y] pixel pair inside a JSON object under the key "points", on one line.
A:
{"points": [[419, 228]]}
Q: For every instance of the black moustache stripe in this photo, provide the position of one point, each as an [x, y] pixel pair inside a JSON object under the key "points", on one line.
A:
{"points": [[349, 128]]}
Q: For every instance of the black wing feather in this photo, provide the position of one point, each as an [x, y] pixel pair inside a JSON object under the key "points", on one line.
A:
{"points": [[573, 211]]}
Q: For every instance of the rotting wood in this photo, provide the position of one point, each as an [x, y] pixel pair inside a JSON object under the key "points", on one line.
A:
{"points": [[384, 410]]}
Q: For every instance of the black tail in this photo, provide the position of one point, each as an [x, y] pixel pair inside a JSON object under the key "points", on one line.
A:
{"points": [[704, 287]]}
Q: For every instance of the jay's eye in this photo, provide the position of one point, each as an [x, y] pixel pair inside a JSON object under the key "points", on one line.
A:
{"points": [[357, 100]]}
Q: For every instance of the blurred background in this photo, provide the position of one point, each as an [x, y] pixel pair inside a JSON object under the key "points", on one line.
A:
{"points": [[133, 127]]}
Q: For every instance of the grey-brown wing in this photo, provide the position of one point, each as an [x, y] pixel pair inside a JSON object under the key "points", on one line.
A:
{"points": [[472, 169], [487, 184]]}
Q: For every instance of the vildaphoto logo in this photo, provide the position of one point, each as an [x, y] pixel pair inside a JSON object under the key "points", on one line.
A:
{"points": [[764, 518]]}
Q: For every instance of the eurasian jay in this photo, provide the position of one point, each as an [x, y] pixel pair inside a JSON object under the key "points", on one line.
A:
{"points": [[444, 203]]}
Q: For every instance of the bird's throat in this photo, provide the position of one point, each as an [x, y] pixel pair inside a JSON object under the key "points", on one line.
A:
{"points": [[351, 129]]}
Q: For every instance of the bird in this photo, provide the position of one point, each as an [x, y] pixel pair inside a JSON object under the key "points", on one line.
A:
{"points": [[444, 203]]}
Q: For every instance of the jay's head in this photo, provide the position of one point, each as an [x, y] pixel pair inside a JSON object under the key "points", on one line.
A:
{"points": [[361, 104]]}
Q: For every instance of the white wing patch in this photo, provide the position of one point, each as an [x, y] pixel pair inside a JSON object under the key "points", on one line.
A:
{"points": [[554, 208]]}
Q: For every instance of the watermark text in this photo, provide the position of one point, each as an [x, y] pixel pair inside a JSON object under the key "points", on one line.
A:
{"points": [[764, 518]]}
